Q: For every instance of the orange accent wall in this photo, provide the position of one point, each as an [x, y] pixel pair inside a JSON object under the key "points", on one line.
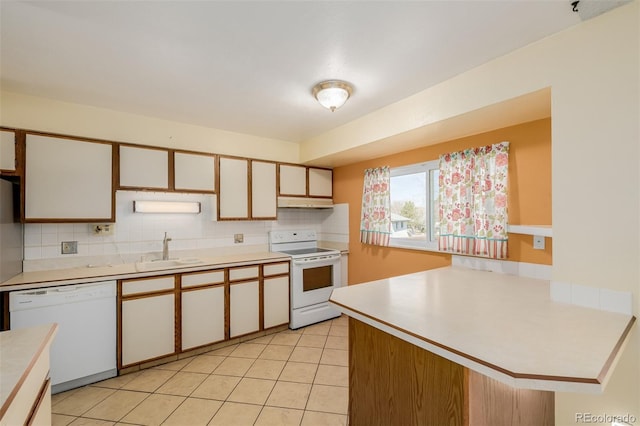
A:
{"points": [[529, 200]]}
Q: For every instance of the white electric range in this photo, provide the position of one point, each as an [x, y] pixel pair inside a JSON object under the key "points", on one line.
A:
{"points": [[315, 272]]}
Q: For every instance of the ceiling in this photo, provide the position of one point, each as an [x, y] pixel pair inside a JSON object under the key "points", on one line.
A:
{"points": [[249, 66]]}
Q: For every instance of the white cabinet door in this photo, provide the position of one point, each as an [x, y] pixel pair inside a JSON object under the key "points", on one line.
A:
{"points": [[320, 182], [194, 172], [276, 301], [148, 328], [144, 167], [67, 179], [263, 190], [244, 307], [234, 189], [293, 180], [7, 150], [202, 316]]}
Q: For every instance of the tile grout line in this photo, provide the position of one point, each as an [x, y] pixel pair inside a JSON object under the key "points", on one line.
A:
{"points": [[286, 361]]}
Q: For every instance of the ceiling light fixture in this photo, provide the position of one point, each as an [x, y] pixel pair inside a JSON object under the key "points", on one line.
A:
{"points": [[332, 94]]}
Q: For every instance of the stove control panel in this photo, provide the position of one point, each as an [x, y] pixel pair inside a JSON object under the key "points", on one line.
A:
{"points": [[292, 236]]}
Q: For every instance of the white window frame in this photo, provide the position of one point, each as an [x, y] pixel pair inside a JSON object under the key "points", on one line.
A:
{"points": [[424, 167]]}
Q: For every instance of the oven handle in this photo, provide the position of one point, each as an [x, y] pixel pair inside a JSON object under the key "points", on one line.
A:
{"points": [[316, 259]]}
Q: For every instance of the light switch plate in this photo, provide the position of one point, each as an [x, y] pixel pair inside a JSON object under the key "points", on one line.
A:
{"points": [[238, 238]]}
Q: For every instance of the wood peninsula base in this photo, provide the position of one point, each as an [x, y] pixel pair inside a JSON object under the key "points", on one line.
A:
{"points": [[393, 382]]}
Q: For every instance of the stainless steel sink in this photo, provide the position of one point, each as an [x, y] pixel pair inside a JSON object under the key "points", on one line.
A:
{"points": [[151, 265]]}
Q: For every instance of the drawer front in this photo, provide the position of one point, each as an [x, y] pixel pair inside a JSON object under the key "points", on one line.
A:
{"points": [[203, 278], [276, 269], [148, 285], [249, 272]]}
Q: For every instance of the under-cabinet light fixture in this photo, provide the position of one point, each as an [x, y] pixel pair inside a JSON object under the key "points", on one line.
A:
{"points": [[146, 206]]}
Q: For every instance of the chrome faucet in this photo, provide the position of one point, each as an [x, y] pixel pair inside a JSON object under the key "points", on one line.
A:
{"points": [[165, 247]]}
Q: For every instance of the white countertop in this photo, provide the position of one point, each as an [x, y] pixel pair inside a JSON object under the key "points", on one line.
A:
{"points": [[85, 274], [342, 247], [18, 351], [503, 326]]}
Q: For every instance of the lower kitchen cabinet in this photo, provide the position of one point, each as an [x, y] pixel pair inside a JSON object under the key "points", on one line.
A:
{"points": [[244, 300], [166, 315], [244, 308], [203, 308], [147, 319], [275, 294]]}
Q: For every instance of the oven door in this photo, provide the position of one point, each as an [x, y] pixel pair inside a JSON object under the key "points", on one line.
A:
{"points": [[314, 279]]}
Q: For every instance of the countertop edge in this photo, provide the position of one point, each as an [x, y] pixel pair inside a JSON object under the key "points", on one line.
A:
{"points": [[513, 379], [20, 282]]}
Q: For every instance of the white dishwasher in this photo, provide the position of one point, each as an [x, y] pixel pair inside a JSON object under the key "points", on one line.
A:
{"points": [[84, 350]]}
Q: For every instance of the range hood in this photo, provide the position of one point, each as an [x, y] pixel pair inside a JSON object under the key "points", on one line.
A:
{"points": [[305, 203]]}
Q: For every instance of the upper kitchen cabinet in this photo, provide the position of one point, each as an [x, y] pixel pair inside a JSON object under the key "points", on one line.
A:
{"points": [[144, 168], [247, 189], [293, 180], [320, 182], [68, 180], [194, 172], [8, 156], [233, 198], [301, 181], [263, 190]]}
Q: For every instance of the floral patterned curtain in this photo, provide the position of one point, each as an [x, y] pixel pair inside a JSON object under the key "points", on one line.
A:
{"points": [[473, 201], [375, 222]]}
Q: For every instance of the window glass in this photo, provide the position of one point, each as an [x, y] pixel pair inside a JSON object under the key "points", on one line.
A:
{"points": [[414, 209]]}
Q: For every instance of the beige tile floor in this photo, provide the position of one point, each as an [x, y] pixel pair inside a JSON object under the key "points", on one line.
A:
{"points": [[294, 377]]}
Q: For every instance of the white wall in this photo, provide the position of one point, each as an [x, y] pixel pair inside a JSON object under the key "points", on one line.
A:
{"points": [[594, 76], [47, 115]]}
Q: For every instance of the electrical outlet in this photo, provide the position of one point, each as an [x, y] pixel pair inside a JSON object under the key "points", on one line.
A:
{"points": [[103, 228], [69, 247], [538, 242], [238, 238]]}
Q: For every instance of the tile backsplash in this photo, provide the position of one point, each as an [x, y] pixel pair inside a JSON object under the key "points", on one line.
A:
{"points": [[137, 234]]}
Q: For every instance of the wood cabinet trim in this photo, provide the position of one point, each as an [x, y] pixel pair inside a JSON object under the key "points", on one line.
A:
{"points": [[227, 306], [171, 173], [70, 137], [177, 314], [201, 287], [119, 300], [17, 163], [42, 394]]}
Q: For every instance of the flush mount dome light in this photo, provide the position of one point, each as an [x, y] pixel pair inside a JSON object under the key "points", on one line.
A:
{"points": [[332, 94]]}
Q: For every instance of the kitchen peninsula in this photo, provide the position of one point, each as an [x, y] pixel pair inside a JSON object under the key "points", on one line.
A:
{"points": [[466, 347]]}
